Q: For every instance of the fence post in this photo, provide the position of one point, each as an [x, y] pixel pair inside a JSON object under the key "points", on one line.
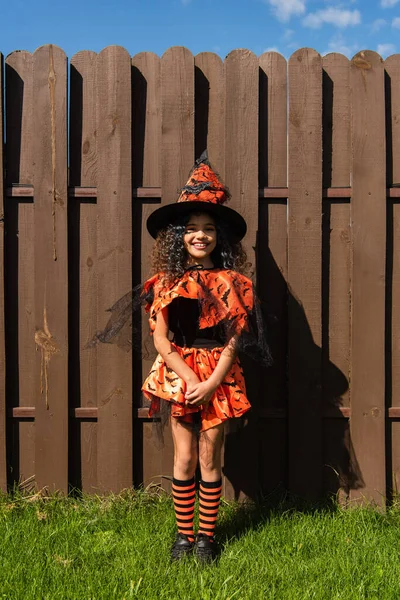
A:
{"points": [[114, 265], [242, 448], [51, 283], [304, 273], [368, 216], [3, 461]]}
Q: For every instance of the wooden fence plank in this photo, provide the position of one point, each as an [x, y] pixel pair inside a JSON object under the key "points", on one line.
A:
{"points": [[210, 109], [114, 264], [51, 284], [337, 119], [177, 151], [146, 154], [304, 273], [368, 273], [241, 170], [177, 141], [272, 260], [82, 266], [392, 326], [273, 120], [336, 257], [146, 104], [3, 461], [20, 260]]}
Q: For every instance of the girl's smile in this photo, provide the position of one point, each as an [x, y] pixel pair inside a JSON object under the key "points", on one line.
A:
{"points": [[200, 239]]}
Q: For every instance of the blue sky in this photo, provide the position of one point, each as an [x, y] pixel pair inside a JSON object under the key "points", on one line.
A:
{"points": [[202, 25]]}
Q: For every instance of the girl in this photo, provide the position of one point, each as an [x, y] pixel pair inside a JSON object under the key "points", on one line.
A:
{"points": [[199, 295]]}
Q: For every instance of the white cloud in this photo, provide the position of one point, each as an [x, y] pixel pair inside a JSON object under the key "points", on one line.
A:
{"points": [[388, 3], [396, 22], [333, 16], [338, 44], [386, 49], [284, 9], [186, 2], [288, 34], [377, 25], [271, 49]]}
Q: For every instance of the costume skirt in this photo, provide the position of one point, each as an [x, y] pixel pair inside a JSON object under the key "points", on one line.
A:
{"points": [[229, 399]]}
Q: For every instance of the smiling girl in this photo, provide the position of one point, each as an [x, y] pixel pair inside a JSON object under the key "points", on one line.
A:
{"points": [[199, 295]]}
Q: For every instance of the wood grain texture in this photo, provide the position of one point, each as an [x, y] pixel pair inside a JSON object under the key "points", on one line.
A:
{"points": [[304, 273], [3, 461], [272, 260], [146, 101], [51, 276], [114, 264], [20, 260], [392, 76], [241, 135], [272, 237], [82, 261], [177, 102], [336, 267], [337, 132], [392, 327], [273, 120], [146, 106], [146, 155], [210, 109], [368, 208], [241, 174]]}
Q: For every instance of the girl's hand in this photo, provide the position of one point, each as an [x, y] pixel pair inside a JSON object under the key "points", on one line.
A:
{"points": [[199, 393], [191, 384]]}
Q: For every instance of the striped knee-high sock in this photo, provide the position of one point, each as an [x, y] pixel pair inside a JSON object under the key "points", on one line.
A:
{"points": [[209, 497], [184, 494]]}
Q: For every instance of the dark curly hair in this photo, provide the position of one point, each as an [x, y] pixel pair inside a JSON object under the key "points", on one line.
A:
{"points": [[170, 256]]}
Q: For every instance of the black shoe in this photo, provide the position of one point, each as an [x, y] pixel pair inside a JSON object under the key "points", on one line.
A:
{"points": [[205, 548], [182, 546]]}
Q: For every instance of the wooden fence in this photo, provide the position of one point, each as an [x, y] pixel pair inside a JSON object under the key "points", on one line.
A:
{"points": [[310, 149]]}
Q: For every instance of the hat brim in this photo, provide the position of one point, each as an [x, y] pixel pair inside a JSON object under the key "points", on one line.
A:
{"points": [[164, 215]]}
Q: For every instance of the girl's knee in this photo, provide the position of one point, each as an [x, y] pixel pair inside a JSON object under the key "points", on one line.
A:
{"points": [[185, 462], [210, 461]]}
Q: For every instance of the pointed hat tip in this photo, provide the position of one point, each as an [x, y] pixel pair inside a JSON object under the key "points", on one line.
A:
{"points": [[203, 158], [204, 155]]}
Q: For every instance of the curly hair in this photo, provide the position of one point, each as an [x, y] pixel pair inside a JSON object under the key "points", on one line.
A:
{"points": [[170, 256]]}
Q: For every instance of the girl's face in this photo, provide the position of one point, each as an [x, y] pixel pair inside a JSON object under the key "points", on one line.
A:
{"points": [[200, 239]]}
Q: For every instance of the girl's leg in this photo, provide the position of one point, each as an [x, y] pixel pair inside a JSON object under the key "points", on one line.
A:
{"points": [[183, 484], [210, 446], [185, 449]]}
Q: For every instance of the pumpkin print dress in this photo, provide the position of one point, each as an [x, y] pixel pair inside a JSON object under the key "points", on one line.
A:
{"points": [[205, 308]]}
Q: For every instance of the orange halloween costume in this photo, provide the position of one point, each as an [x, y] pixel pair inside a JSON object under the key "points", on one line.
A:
{"points": [[223, 298]]}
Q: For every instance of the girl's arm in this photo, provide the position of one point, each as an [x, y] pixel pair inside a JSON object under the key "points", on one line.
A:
{"points": [[168, 352], [202, 392]]}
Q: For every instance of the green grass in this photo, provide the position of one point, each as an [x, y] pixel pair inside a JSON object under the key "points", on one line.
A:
{"points": [[118, 547]]}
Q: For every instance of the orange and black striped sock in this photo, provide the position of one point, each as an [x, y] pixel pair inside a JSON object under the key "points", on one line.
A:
{"points": [[184, 494], [209, 497]]}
